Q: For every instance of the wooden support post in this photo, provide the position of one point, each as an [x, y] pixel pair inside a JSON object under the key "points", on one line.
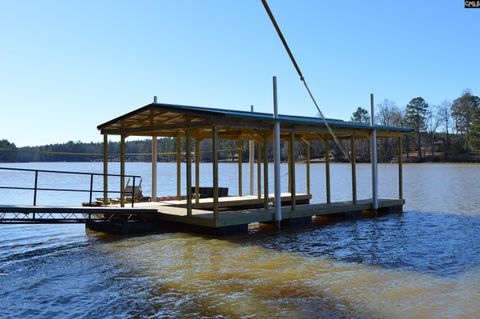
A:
{"points": [[197, 171], [289, 167], [251, 167], [239, 154], [188, 160], [354, 170], [291, 152], [215, 172], [259, 170], [178, 146], [308, 168], [122, 171], [154, 167], [327, 170], [251, 161], [105, 169], [265, 172], [400, 169]]}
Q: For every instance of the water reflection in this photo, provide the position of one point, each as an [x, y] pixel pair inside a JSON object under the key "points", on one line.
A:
{"points": [[433, 243]]}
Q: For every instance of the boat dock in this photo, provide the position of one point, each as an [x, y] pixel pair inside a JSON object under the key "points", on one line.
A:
{"points": [[212, 209]]}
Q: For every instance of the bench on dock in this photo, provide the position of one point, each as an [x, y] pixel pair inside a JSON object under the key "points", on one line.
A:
{"points": [[207, 192]]}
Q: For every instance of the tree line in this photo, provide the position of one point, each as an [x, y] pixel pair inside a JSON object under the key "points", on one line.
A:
{"points": [[446, 132]]}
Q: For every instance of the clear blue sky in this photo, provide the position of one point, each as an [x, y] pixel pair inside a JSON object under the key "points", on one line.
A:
{"points": [[67, 66]]}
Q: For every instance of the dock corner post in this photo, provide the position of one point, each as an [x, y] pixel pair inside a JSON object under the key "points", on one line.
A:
{"points": [[178, 148], [400, 169], [197, 171], [122, 170], [265, 171], [105, 169], [354, 170], [374, 156], [188, 160], [239, 155], [154, 167], [291, 150], [307, 170], [276, 159], [215, 172], [327, 170]]}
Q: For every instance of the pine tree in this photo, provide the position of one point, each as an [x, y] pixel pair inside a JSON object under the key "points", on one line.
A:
{"points": [[415, 117], [360, 116]]}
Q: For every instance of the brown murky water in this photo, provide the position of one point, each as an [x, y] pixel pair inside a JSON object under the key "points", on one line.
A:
{"points": [[424, 263]]}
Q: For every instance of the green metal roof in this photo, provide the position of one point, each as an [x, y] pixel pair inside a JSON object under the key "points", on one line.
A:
{"points": [[258, 116]]}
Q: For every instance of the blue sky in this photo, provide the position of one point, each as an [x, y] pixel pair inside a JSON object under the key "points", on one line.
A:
{"points": [[67, 66]]}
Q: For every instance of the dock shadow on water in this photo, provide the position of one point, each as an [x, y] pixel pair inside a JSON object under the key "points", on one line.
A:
{"points": [[415, 265]]}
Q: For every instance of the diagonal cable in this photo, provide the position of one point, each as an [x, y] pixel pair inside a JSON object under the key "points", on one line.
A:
{"points": [[297, 68]]}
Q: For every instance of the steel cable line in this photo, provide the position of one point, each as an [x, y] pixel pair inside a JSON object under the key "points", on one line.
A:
{"points": [[302, 78]]}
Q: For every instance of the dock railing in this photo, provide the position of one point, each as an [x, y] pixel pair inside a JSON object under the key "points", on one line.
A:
{"points": [[90, 190]]}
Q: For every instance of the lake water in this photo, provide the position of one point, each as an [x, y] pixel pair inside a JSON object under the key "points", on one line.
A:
{"points": [[424, 263]]}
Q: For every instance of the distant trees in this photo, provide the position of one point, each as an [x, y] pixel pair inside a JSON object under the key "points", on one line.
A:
{"points": [[416, 113], [8, 151], [475, 135], [361, 115], [464, 110], [388, 114]]}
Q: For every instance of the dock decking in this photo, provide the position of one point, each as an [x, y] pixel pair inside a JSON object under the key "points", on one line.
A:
{"points": [[170, 211]]}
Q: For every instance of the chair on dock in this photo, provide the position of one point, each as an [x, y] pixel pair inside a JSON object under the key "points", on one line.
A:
{"points": [[128, 190], [136, 190]]}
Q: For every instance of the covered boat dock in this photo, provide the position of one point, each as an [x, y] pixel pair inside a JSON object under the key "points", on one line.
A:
{"points": [[193, 124]]}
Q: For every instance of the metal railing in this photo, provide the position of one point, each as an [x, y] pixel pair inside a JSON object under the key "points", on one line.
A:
{"points": [[91, 191]]}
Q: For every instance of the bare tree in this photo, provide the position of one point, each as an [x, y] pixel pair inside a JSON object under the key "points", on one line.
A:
{"points": [[432, 123], [443, 113], [388, 114]]}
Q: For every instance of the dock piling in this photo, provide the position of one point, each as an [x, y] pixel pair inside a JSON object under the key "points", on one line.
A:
{"points": [[276, 154], [374, 155], [105, 169]]}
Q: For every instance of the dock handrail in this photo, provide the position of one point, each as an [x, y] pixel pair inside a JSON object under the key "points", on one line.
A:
{"points": [[35, 187]]}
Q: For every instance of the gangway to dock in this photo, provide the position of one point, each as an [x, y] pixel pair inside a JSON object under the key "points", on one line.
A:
{"points": [[68, 215]]}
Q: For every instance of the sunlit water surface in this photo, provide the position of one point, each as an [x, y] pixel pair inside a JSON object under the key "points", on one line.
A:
{"points": [[424, 263]]}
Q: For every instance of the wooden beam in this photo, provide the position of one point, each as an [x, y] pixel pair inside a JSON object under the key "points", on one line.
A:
{"points": [[327, 170], [154, 167], [291, 151], [400, 168], [105, 169], [239, 154], [215, 172], [178, 147], [308, 168], [247, 125], [354, 170], [197, 171], [152, 129], [265, 172], [188, 158], [259, 170], [122, 171]]}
